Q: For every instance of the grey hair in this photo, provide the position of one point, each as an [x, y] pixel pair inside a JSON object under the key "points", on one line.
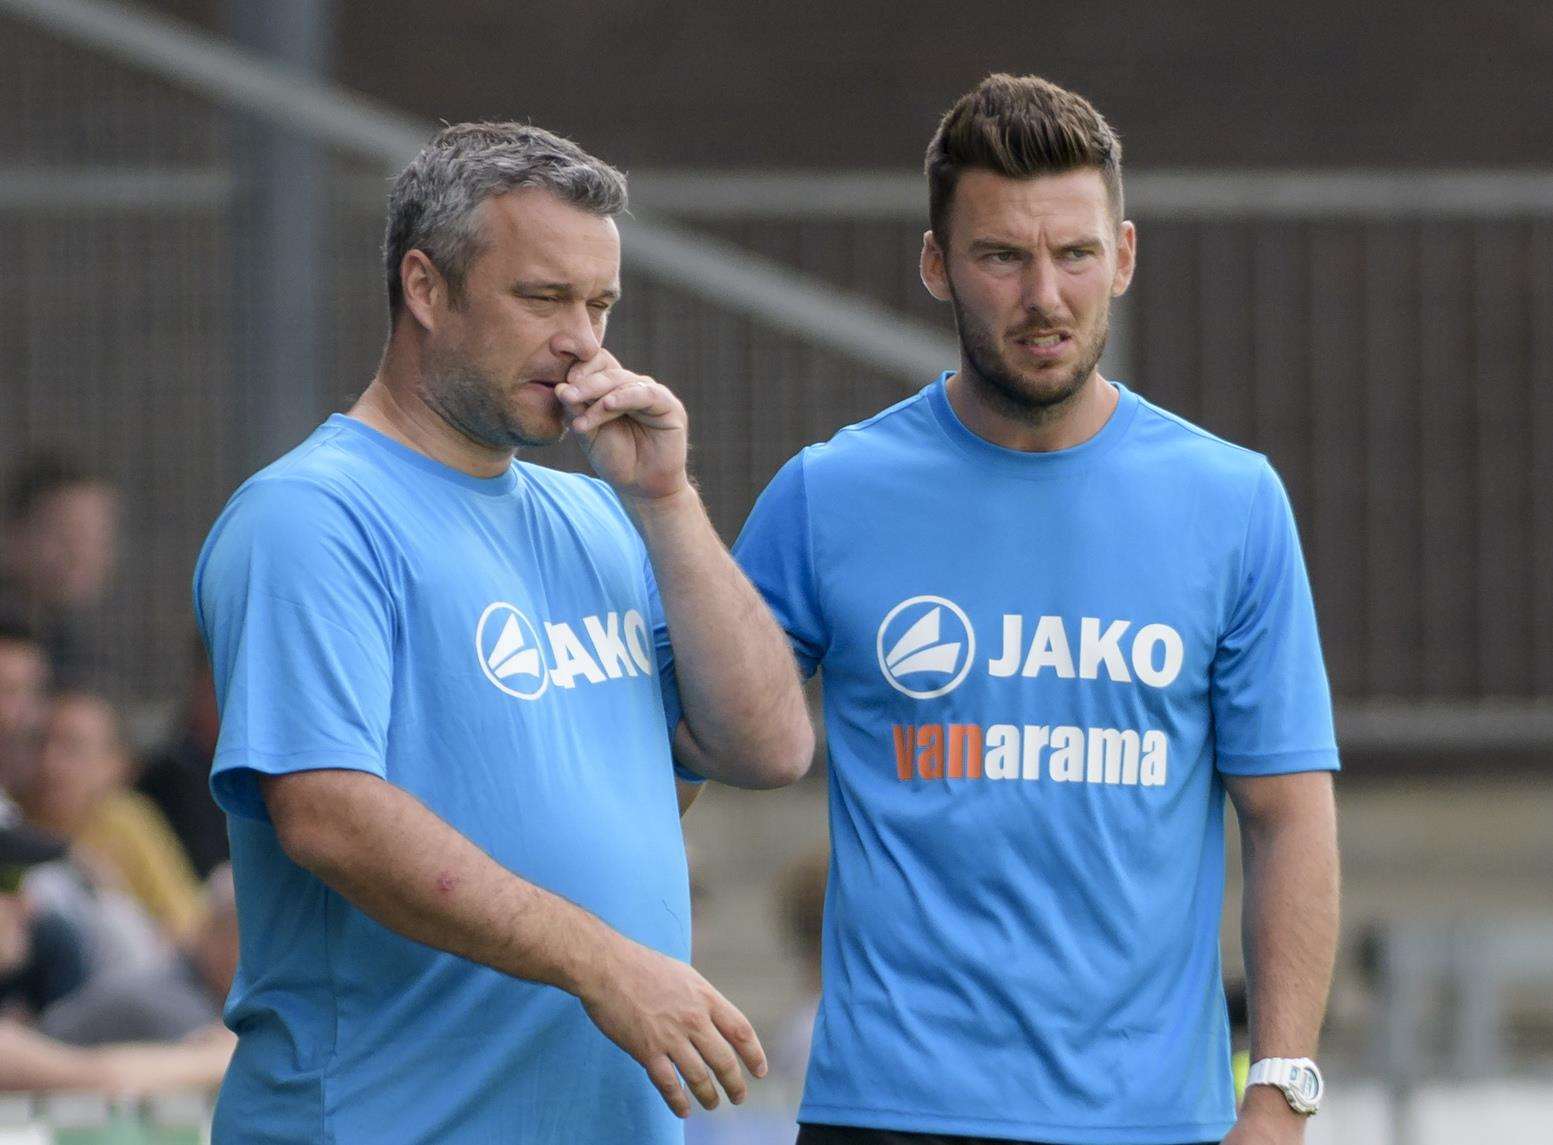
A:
{"points": [[433, 203]]}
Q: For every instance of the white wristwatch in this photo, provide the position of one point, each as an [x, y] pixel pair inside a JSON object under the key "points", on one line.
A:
{"points": [[1298, 1078]]}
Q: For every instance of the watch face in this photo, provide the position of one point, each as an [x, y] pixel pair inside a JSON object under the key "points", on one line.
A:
{"points": [[1307, 1086]]}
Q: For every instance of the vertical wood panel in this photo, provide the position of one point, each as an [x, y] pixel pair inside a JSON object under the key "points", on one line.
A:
{"points": [[1335, 517], [1447, 488], [1537, 396], [1503, 449], [1388, 378]]}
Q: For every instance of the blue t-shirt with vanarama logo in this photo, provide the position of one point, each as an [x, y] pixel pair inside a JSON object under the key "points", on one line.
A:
{"points": [[1037, 666], [496, 648]]}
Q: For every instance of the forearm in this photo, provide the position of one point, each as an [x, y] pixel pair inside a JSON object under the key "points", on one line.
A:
{"points": [[1290, 924], [137, 1069], [744, 708], [392, 857], [29, 1061]]}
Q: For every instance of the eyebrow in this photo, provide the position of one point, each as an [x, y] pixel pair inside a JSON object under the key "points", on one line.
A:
{"points": [[1010, 244], [564, 289]]}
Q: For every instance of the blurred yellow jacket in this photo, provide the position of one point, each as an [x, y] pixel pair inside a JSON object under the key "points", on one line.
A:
{"points": [[130, 833]]}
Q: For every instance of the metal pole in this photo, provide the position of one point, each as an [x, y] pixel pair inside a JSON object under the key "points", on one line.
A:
{"points": [[280, 271]]}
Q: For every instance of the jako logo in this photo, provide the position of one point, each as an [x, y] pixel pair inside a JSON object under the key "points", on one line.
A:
{"points": [[926, 647], [520, 663], [508, 646]]}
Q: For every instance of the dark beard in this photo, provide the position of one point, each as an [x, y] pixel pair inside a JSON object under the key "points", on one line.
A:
{"points": [[1002, 387]]}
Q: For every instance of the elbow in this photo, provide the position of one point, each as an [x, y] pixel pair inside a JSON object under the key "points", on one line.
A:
{"points": [[786, 759], [303, 843], [305, 836], [756, 753]]}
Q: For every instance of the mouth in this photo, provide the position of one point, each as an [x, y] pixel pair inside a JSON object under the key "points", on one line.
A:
{"points": [[1044, 345], [1048, 344]]}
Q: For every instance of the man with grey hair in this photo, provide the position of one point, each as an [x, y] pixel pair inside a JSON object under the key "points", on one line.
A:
{"points": [[449, 683]]}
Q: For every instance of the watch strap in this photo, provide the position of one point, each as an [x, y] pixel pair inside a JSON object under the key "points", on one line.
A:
{"points": [[1286, 1074]]}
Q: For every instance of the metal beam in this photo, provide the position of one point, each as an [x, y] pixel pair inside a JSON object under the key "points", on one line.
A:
{"points": [[1413, 726], [112, 189], [1203, 194], [1156, 194], [789, 300]]}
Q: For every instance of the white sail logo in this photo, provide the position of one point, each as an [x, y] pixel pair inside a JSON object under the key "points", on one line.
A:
{"points": [[926, 646], [508, 646]]}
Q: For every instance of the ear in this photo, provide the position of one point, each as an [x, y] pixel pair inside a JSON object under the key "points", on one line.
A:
{"points": [[1126, 258], [933, 268], [425, 290]]}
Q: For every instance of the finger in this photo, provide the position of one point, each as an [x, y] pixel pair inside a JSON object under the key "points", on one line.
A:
{"points": [[646, 402], [600, 362], [589, 420], [661, 1072], [736, 1028], [693, 1069], [641, 401], [594, 386], [717, 1053]]}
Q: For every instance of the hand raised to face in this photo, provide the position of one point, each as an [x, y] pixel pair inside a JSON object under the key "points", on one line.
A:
{"points": [[633, 429]]}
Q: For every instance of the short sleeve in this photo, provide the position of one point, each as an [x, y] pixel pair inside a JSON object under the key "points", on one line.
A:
{"points": [[296, 613], [1272, 708], [777, 554]]}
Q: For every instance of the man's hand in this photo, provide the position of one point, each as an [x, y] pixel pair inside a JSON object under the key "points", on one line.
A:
{"points": [[632, 429], [1266, 1119], [668, 1017]]}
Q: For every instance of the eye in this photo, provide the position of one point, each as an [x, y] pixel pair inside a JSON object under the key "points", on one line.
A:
{"points": [[1003, 257]]}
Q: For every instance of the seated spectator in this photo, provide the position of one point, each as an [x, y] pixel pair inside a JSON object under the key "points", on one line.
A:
{"points": [[60, 544], [116, 934], [177, 777], [41, 958], [79, 791], [65, 896], [162, 1003], [24, 681]]}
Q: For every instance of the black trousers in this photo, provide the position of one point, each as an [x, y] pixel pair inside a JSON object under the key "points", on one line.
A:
{"points": [[848, 1135]]}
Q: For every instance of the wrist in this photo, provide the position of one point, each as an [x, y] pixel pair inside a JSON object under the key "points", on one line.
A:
{"points": [[1267, 1103], [580, 958], [658, 510]]}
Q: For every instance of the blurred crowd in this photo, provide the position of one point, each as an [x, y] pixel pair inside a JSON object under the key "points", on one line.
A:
{"points": [[118, 930]]}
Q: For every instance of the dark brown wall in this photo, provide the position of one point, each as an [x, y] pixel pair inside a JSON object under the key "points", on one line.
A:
{"points": [[813, 84]]}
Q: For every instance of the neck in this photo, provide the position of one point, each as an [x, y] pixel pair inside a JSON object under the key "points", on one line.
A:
{"points": [[392, 404], [990, 415]]}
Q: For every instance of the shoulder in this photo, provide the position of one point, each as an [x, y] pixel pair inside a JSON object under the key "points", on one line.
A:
{"points": [[1186, 456], [317, 497], [323, 477], [896, 429]]}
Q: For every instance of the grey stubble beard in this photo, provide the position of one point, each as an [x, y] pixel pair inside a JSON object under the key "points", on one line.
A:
{"points": [[470, 403]]}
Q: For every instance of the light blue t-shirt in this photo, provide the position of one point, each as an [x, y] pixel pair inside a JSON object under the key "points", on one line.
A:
{"points": [[495, 647], [1037, 666]]}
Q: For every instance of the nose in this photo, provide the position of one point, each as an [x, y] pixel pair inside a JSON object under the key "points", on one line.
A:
{"points": [[578, 337], [1040, 294]]}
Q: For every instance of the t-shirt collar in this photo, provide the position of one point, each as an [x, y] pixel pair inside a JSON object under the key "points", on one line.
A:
{"points": [[1025, 463]]}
